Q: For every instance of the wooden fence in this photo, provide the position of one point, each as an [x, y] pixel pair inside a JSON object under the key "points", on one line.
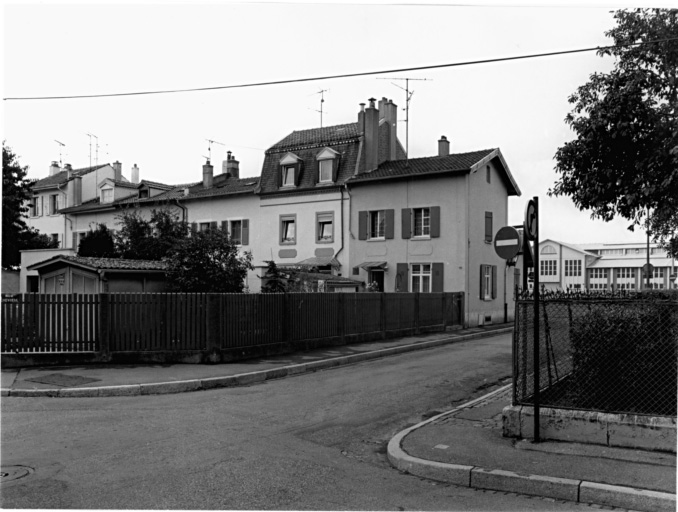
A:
{"points": [[167, 322]]}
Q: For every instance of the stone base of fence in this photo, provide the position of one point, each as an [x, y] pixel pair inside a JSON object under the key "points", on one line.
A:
{"points": [[656, 433]]}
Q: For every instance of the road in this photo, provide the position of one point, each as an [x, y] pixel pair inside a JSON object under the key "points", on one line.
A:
{"points": [[312, 442]]}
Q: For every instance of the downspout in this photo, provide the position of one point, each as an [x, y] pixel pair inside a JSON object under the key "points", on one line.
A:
{"points": [[341, 208], [66, 219], [183, 212], [468, 249]]}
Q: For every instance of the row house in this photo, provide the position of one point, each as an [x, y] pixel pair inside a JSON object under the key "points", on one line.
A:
{"points": [[347, 202]]}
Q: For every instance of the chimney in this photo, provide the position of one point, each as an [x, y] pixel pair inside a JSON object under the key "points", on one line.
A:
{"points": [[54, 168], [207, 174], [74, 192], [231, 167], [69, 170], [135, 174], [443, 146], [117, 167], [371, 136], [388, 111]]}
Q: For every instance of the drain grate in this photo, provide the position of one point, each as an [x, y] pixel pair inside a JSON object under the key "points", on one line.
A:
{"points": [[10, 473], [59, 379]]}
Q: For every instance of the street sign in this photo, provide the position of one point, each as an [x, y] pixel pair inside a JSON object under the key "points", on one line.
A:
{"points": [[531, 220], [648, 269], [507, 243], [530, 276]]}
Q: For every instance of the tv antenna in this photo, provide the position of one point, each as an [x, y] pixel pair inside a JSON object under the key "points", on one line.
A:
{"points": [[322, 100], [90, 135], [61, 145], [209, 147], [408, 97]]}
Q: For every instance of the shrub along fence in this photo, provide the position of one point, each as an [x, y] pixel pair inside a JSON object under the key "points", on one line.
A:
{"points": [[612, 355], [168, 327]]}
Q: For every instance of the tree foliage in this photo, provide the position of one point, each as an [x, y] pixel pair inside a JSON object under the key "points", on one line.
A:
{"points": [[98, 243], [624, 161], [151, 239], [16, 201], [274, 281], [208, 262]]}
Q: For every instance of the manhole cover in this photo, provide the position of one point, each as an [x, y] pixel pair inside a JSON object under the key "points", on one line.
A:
{"points": [[59, 379], [9, 473]]}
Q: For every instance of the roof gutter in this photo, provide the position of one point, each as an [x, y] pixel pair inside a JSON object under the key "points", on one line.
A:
{"points": [[405, 176]]}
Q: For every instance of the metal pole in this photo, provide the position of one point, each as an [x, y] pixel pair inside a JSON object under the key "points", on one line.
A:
{"points": [[647, 274], [536, 322]]}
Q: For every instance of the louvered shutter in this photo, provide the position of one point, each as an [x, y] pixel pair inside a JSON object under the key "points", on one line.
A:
{"points": [[297, 173], [362, 225], [488, 226], [214, 224], [389, 229], [194, 227], [279, 181], [224, 226], [406, 222], [437, 282], [494, 281], [403, 276], [75, 242], [335, 168], [435, 221], [482, 282], [245, 232]]}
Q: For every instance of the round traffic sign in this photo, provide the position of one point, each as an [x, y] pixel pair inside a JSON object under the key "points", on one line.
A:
{"points": [[530, 223], [648, 268], [507, 243]]}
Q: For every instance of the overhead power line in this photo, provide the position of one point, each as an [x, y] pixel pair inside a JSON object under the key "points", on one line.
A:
{"points": [[348, 75]]}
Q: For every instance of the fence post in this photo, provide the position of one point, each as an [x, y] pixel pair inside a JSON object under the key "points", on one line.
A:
{"points": [[416, 313], [104, 326], [382, 315], [212, 328]]}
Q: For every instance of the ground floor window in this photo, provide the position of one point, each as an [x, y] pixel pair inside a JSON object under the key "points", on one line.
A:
{"points": [[421, 278]]}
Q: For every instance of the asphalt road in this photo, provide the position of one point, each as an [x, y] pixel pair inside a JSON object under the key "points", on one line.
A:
{"points": [[312, 442]]}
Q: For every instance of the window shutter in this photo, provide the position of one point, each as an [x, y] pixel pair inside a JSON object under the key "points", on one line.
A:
{"points": [[214, 225], [75, 242], [435, 221], [224, 226], [280, 176], [315, 178], [403, 274], [335, 168], [482, 282], [362, 225], [47, 212], [297, 173], [356, 271], [389, 229], [494, 281], [245, 232], [488, 226], [406, 222], [194, 227], [437, 281]]}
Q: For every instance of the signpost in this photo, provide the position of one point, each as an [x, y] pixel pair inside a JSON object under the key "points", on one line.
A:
{"points": [[507, 243], [648, 268]]}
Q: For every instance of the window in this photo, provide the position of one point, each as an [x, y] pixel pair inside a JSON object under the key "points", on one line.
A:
{"points": [[421, 278], [598, 273], [288, 176], [55, 238], [288, 231], [203, 226], [547, 249], [35, 209], [107, 195], [488, 282], [548, 267], [325, 227], [572, 267], [626, 273], [236, 231], [608, 252], [54, 204], [488, 227], [658, 273], [377, 226], [422, 222], [143, 194], [325, 171]]}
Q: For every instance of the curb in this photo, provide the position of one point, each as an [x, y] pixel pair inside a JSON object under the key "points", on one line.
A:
{"points": [[242, 379], [580, 491]]}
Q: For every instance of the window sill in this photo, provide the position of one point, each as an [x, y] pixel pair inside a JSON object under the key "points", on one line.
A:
{"points": [[376, 239], [325, 183], [324, 241], [288, 243], [421, 238]]}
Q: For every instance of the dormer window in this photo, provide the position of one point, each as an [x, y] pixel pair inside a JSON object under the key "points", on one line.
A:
{"points": [[290, 170], [143, 193], [288, 176], [328, 164], [106, 195]]}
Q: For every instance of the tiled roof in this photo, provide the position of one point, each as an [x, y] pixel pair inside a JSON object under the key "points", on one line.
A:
{"points": [[314, 137], [124, 184], [62, 177], [105, 263], [155, 184], [459, 162]]}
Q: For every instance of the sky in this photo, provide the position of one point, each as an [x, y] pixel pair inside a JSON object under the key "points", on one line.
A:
{"points": [[58, 49]]}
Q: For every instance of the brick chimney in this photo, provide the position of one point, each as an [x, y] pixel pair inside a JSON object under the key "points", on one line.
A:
{"points": [[54, 168], [207, 174], [68, 169], [74, 192], [135, 174], [443, 146], [371, 133], [230, 167], [117, 167], [388, 122]]}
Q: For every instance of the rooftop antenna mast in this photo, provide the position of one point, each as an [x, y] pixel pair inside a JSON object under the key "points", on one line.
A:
{"points": [[209, 148], [322, 100], [61, 145], [90, 135], [408, 97]]}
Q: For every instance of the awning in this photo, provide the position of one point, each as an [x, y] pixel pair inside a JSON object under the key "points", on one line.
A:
{"points": [[372, 265]]}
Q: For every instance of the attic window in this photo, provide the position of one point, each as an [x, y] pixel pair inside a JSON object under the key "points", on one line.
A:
{"points": [[143, 193], [290, 168], [288, 176], [106, 195], [328, 163]]}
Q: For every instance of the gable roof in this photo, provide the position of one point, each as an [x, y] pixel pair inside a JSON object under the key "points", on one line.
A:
{"points": [[315, 137], [62, 177], [106, 264]]}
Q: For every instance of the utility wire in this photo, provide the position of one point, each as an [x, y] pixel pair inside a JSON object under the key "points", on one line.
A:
{"points": [[350, 75]]}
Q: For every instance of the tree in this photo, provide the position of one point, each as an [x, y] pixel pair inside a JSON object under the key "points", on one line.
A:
{"points": [[624, 161], [16, 197], [273, 280], [98, 243], [152, 239], [208, 261]]}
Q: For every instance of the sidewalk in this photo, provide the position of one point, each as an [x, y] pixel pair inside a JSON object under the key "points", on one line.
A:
{"points": [[465, 447], [147, 379]]}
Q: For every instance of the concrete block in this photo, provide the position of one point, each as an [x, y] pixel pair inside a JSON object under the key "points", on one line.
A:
{"points": [[564, 425], [162, 388], [626, 497], [456, 474], [511, 420], [218, 382], [34, 392], [536, 485], [78, 392], [643, 432], [4, 392], [128, 390], [276, 373], [296, 369], [250, 378]]}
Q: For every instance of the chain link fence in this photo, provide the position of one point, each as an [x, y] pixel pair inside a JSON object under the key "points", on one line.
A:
{"points": [[608, 355]]}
